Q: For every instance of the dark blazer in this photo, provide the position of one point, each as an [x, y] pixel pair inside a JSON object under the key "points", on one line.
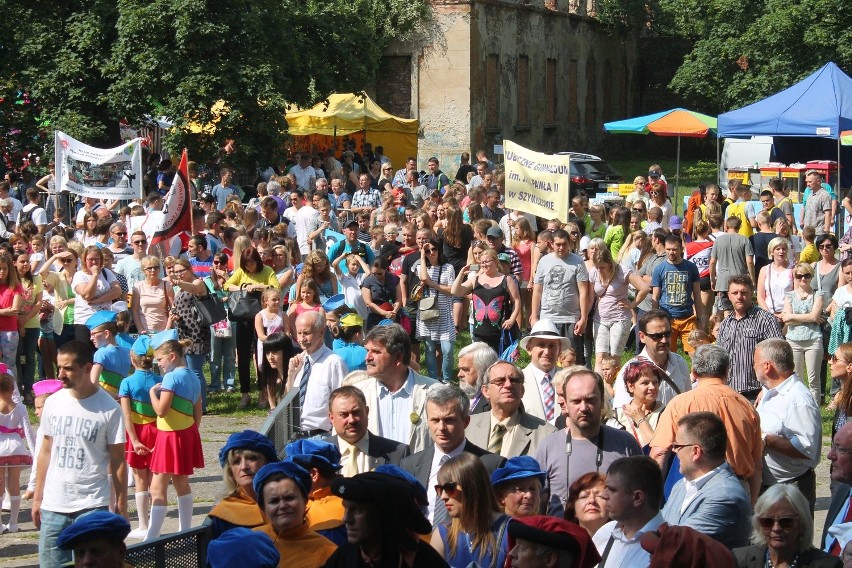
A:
{"points": [[419, 464], [380, 450], [482, 405], [837, 503], [755, 557]]}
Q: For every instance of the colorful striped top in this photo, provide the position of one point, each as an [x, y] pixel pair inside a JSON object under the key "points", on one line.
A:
{"points": [[187, 390], [115, 366], [137, 387]]}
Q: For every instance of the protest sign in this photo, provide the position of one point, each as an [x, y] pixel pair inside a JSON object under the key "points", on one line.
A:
{"points": [[537, 183], [113, 173]]}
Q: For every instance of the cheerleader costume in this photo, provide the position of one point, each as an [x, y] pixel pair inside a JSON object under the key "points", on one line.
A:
{"points": [[16, 438], [137, 387], [270, 325], [178, 446]]}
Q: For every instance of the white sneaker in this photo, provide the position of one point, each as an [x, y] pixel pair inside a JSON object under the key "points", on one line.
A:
{"points": [[11, 528], [138, 534]]}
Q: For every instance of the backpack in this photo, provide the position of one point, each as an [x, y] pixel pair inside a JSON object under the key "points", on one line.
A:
{"points": [[29, 213]]}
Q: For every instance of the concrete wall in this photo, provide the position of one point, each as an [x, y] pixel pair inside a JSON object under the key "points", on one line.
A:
{"points": [[468, 57]]}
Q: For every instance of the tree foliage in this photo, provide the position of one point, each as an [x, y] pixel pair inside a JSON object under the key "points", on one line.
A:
{"points": [[745, 51], [89, 63]]}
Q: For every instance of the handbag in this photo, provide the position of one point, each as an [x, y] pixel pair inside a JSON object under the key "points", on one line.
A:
{"points": [[209, 309], [427, 308], [509, 347], [243, 306]]}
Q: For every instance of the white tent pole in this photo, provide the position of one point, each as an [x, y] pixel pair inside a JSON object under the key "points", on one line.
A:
{"points": [[718, 162], [677, 174]]}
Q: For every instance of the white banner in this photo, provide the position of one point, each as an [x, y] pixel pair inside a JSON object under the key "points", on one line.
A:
{"points": [[537, 183], [114, 173]]}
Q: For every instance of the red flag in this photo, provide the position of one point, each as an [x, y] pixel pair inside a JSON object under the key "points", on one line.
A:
{"points": [[177, 207]]}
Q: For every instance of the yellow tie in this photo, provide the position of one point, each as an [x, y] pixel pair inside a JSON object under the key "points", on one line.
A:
{"points": [[351, 467]]}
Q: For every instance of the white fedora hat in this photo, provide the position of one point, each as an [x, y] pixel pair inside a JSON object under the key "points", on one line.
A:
{"points": [[545, 329]]}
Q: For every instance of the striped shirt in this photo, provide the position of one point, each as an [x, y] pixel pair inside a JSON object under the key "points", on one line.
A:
{"points": [[740, 337]]}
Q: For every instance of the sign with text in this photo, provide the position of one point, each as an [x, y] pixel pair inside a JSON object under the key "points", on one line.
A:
{"points": [[537, 183], [113, 173]]}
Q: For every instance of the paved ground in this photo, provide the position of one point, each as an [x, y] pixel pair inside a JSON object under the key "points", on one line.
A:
{"points": [[21, 549]]}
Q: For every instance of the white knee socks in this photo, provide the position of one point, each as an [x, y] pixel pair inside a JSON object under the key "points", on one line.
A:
{"points": [[14, 507], [143, 508], [158, 515], [184, 511]]}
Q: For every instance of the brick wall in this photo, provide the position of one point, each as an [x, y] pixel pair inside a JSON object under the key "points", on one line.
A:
{"points": [[393, 85]]}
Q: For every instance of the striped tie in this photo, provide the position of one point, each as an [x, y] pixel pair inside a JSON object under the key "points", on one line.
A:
{"points": [[303, 388], [495, 444], [549, 397]]}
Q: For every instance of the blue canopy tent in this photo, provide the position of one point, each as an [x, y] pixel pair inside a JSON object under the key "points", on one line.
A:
{"points": [[818, 106]]}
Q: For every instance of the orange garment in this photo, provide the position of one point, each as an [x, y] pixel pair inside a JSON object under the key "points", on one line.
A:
{"points": [[745, 446], [695, 201], [240, 510], [300, 547], [325, 511]]}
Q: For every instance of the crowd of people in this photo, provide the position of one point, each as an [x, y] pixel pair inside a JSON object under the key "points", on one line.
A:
{"points": [[348, 283]]}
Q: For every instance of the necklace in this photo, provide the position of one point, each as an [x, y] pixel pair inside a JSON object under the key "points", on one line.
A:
{"points": [[793, 564]]}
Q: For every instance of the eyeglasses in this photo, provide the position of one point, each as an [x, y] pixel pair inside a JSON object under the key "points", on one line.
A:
{"points": [[119, 234], [804, 276], [676, 447], [501, 382], [217, 262], [140, 242], [840, 449], [783, 522], [451, 488], [151, 268], [638, 210], [826, 246], [659, 336], [387, 169], [574, 234]]}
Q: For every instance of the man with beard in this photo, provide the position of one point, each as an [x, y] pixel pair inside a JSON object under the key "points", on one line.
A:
{"points": [[474, 360], [586, 444]]}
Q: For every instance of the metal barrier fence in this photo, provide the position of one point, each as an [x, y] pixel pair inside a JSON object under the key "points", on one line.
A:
{"points": [[187, 549], [281, 423]]}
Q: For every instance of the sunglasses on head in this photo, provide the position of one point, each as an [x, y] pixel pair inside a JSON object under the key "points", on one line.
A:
{"points": [[451, 488], [783, 522], [659, 336]]}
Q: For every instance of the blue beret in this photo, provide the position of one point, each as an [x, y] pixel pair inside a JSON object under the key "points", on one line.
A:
{"points": [[314, 453], [97, 524], [243, 547], [520, 467], [159, 338], [290, 470], [142, 346], [100, 318], [248, 440], [334, 302]]}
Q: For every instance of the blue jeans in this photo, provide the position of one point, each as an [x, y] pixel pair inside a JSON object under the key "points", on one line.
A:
{"points": [[195, 363], [49, 555], [223, 362], [432, 361]]}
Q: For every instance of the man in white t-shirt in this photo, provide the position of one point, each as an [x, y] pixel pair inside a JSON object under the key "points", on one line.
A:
{"points": [[304, 220], [305, 175], [83, 445], [32, 211]]}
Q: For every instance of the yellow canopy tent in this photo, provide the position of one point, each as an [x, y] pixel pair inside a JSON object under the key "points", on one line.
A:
{"points": [[359, 118]]}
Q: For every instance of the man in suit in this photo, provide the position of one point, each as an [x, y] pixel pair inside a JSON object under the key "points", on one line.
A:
{"points": [[506, 430], [360, 450], [544, 345], [709, 498], [839, 513], [395, 393], [447, 411], [474, 360]]}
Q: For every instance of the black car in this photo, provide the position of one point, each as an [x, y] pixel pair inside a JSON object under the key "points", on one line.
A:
{"points": [[590, 174]]}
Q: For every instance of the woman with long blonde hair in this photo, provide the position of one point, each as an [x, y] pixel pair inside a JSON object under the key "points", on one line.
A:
{"points": [[241, 244], [318, 268], [477, 528]]}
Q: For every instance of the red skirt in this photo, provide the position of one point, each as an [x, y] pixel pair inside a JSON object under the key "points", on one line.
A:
{"points": [[147, 434], [21, 460], [178, 453]]}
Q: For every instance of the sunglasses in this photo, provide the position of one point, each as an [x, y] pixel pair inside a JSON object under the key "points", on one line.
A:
{"points": [[804, 276], [659, 336], [783, 522], [574, 234], [638, 210], [501, 382], [827, 246], [120, 234], [140, 242], [451, 488], [151, 268]]}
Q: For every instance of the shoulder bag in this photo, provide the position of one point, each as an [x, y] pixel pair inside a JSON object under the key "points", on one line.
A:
{"points": [[209, 308], [243, 305], [427, 308]]}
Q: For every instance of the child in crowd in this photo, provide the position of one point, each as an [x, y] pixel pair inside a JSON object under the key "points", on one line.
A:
{"points": [[122, 325], [37, 256], [350, 280], [567, 358], [363, 219], [350, 333], [309, 302], [177, 450], [17, 442], [809, 253], [111, 362], [277, 352], [698, 337], [269, 320], [140, 422], [42, 390], [609, 370], [655, 220], [598, 227], [11, 299]]}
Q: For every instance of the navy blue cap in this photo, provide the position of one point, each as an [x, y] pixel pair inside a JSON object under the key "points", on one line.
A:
{"points": [[393, 494], [98, 524], [243, 547], [314, 453], [248, 440], [519, 467], [288, 469]]}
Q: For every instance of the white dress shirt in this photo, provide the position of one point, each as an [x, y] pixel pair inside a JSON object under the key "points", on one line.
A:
{"points": [[327, 372], [624, 552], [439, 459], [789, 410], [693, 487], [395, 410]]}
